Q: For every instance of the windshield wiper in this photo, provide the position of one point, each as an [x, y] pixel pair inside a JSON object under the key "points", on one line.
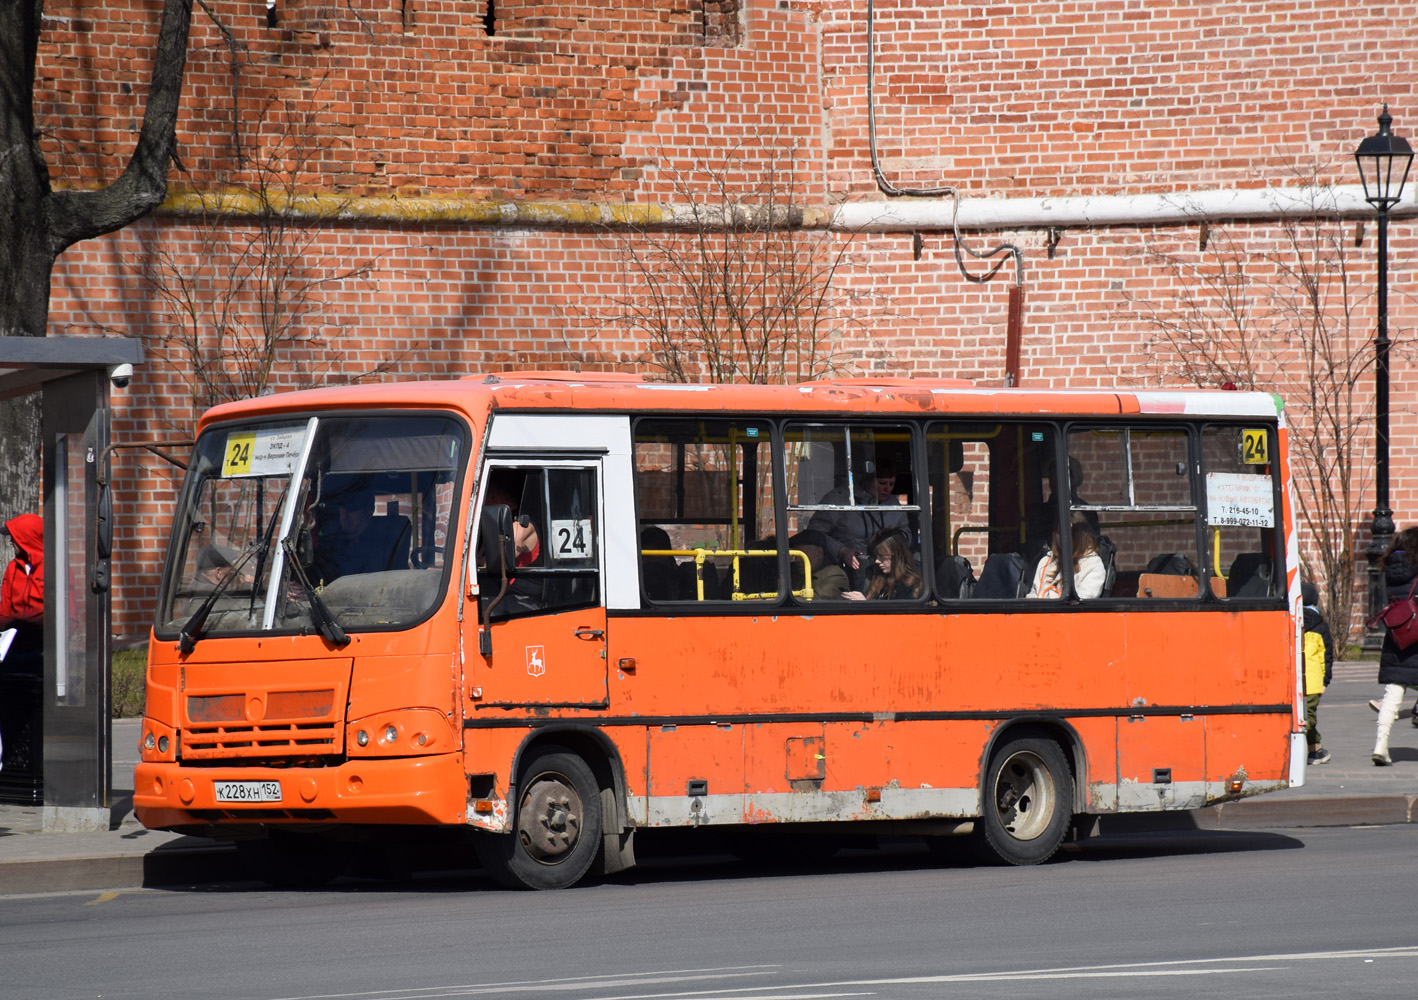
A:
{"points": [[320, 615], [192, 631]]}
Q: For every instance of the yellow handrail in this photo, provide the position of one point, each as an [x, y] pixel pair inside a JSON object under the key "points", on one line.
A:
{"points": [[700, 555]]}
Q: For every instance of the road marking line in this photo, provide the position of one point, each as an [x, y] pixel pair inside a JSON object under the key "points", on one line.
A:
{"points": [[799, 991], [536, 985]]}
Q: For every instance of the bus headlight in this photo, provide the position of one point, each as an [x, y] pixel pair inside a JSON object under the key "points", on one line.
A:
{"points": [[401, 733], [159, 742]]}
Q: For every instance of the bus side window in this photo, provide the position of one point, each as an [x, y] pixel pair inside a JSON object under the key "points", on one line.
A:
{"points": [[992, 512], [555, 549], [1242, 545], [704, 494], [853, 508], [1133, 483]]}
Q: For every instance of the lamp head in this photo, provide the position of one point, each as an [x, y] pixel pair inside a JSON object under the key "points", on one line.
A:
{"points": [[1383, 160]]}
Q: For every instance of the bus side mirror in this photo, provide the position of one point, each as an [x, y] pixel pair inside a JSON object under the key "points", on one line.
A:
{"points": [[496, 539], [499, 554]]}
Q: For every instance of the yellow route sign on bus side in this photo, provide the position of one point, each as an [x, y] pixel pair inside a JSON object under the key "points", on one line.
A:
{"points": [[1255, 446]]}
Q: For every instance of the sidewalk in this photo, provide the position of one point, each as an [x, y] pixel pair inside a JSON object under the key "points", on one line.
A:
{"points": [[1349, 790]]}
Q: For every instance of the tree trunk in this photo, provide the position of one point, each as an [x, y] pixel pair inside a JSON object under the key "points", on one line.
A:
{"points": [[37, 222], [19, 458]]}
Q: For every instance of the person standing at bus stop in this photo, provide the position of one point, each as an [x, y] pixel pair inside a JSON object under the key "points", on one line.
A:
{"points": [[22, 594], [1398, 668]]}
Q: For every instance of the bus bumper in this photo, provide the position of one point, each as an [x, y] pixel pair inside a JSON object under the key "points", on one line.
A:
{"points": [[407, 790]]}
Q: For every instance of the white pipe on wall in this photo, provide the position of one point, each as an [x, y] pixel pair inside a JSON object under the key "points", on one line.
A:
{"points": [[1259, 204]]}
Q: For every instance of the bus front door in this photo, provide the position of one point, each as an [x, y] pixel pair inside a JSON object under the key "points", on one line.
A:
{"points": [[548, 632]]}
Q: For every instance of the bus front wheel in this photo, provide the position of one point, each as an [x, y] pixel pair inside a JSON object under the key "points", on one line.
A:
{"points": [[1028, 801], [558, 825]]}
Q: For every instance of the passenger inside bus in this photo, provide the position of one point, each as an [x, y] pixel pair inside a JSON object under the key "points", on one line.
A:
{"points": [[846, 531], [523, 593], [1089, 572], [215, 565], [894, 575], [353, 539], [829, 581], [665, 578], [1044, 523]]}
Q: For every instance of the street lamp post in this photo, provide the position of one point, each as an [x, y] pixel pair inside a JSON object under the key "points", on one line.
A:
{"points": [[1383, 160]]}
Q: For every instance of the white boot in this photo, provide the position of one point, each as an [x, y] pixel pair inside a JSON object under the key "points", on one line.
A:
{"points": [[1388, 712], [1380, 756]]}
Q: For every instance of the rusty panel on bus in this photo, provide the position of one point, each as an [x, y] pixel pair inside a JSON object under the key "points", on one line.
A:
{"points": [[264, 709]]}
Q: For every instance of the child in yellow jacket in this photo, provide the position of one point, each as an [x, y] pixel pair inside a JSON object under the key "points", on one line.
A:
{"points": [[1319, 668]]}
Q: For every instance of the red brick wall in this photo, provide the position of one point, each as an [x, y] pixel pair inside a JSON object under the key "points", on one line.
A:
{"points": [[610, 101]]}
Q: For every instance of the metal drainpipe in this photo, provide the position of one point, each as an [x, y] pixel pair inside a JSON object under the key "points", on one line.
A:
{"points": [[1014, 326]]}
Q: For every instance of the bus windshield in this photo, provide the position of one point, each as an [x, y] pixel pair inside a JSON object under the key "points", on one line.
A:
{"points": [[355, 509]]}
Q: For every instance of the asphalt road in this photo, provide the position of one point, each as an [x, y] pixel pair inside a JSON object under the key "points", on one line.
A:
{"points": [[1316, 912]]}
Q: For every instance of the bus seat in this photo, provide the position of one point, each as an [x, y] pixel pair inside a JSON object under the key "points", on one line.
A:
{"points": [[1249, 576], [1162, 585], [660, 574], [1003, 577], [385, 544], [402, 547], [1125, 583], [1171, 564], [954, 578]]}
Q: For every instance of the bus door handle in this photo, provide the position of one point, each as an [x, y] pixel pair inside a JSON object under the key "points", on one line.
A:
{"points": [[582, 632]]}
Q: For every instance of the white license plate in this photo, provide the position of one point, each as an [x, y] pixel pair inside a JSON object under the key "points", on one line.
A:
{"points": [[248, 791]]}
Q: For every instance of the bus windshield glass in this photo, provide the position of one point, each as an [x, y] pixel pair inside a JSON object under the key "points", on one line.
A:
{"points": [[355, 509]]}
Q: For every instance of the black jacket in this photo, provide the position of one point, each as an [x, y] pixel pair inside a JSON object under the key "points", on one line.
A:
{"points": [[1399, 666]]}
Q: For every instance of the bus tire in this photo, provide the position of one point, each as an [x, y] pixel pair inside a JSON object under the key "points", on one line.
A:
{"points": [[557, 829], [1028, 801]]}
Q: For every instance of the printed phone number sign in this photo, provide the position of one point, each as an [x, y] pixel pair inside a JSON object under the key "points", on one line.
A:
{"points": [[1238, 499], [266, 451]]}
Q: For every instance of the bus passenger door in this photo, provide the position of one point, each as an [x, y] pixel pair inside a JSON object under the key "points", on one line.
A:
{"points": [[548, 628]]}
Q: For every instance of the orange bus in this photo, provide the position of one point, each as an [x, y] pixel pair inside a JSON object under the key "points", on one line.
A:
{"points": [[548, 610]]}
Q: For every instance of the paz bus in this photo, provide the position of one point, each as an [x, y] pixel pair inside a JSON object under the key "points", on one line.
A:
{"points": [[547, 610]]}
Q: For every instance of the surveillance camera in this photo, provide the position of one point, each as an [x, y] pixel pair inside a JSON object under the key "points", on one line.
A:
{"points": [[120, 376]]}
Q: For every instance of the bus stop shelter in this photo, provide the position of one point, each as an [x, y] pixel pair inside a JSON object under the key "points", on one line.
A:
{"points": [[60, 752]]}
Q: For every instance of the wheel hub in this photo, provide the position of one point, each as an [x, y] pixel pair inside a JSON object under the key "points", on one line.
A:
{"points": [[549, 820], [1024, 795]]}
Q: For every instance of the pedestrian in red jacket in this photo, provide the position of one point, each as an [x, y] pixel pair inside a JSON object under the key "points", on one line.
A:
{"points": [[22, 590]]}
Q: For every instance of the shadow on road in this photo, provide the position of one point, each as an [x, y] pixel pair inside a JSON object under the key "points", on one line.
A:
{"points": [[669, 857]]}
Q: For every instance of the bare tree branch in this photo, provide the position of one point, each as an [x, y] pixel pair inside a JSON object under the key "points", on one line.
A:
{"points": [[246, 304], [741, 293], [1283, 319]]}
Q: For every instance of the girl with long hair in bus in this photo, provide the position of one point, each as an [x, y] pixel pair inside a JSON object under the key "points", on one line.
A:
{"points": [[1398, 668], [1088, 569], [896, 576]]}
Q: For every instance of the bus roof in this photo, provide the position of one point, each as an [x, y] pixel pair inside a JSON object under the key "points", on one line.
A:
{"points": [[616, 392]]}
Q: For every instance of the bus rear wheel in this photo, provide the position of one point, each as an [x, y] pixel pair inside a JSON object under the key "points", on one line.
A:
{"points": [[1028, 801], [558, 825]]}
